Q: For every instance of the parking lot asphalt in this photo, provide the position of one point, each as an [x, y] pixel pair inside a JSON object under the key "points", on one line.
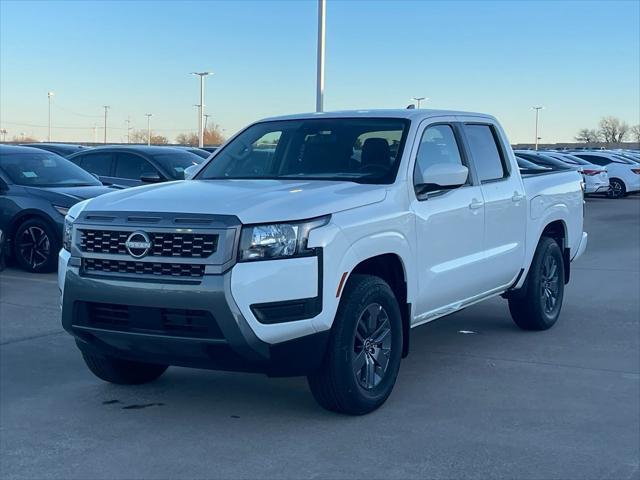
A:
{"points": [[497, 403]]}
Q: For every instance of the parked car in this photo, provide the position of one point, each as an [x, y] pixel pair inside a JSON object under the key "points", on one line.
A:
{"points": [[133, 165], [624, 175], [37, 188], [527, 168], [544, 160], [195, 150], [596, 178], [62, 149], [318, 262]]}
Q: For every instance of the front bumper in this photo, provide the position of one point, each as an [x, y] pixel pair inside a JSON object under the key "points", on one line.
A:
{"points": [[235, 347]]}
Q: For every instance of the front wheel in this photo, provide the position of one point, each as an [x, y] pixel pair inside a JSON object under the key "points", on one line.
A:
{"points": [[36, 246], [617, 188], [363, 357], [537, 305]]}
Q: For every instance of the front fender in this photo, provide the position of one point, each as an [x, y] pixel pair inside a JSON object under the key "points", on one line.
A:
{"points": [[342, 253]]}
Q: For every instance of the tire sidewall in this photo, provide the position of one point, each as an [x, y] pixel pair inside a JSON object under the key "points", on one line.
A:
{"points": [[349, 314], [622, 190], [548, 247], [54, 246]]}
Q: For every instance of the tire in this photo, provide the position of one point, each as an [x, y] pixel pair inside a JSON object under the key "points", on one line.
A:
{"points": [[537, 305], [36, 246], [617, 188], [122, 372], [368, 307]]}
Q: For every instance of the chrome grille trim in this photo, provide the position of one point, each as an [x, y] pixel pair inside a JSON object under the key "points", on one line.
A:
{"points": [[165, 244]]}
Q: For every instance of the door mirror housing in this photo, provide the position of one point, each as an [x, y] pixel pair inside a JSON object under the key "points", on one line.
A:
{"points": [[150, 177], [190, 171], [441, 176]]}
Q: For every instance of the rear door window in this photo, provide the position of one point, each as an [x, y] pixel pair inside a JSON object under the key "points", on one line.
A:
{"points": [[488, 157], [97, 163], [132, 166]]}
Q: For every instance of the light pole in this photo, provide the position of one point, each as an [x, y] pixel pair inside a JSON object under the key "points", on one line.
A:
{"points": [[49, 95], [201, 107], [106, 107], [148, 115], [537, 109], [206, 120], [128, 129], [322, 11], [418, 100]]}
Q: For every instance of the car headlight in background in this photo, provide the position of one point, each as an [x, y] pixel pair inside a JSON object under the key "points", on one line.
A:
{"points": [[61, 210], [277, 240], [67, 233]]}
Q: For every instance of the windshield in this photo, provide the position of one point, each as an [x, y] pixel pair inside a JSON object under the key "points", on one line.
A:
{"points": [[44, 169], [176, 162], [363, 150]]}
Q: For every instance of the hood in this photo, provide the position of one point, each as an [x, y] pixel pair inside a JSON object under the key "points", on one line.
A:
{"points": [[252, 201], [69, 195]]}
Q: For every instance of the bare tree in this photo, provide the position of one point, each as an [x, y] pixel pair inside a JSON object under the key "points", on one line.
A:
{"points": [[635, 133], [613, 130], [24, 139], [212, 136], [587, 135], [140, 136]]}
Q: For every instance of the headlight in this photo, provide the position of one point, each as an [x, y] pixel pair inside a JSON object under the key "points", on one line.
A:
{"points": [[61, 210], [67, 233], [277, 240]]}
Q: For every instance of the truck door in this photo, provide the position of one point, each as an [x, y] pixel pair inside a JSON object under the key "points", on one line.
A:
{"points": [[449, 226], [505, 204]]}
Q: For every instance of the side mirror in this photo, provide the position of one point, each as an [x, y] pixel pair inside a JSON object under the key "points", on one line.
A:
{"points": [[151, 177], [441, 176], [190, 172]]}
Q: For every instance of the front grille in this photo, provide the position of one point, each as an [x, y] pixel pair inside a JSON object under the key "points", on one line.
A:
{"points": [[170, 244], [162, 321], [95, 265]]}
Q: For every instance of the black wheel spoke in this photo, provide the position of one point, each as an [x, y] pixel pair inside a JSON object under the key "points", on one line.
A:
{"points": [[371, 346]]}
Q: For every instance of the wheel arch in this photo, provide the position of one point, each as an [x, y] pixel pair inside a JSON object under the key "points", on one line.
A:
{"points": [[25, 215], [391, 268]]}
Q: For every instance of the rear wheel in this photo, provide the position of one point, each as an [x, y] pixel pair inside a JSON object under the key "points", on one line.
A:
{"points": [[537, 305], [122, 372], [36, 246], [363, 357], [617, 188]]}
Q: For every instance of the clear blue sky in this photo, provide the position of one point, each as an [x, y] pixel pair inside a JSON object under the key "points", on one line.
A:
{"points": [[579, 59]]}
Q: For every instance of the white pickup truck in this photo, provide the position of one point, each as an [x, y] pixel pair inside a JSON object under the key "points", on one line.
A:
{"points": [[312, 245]]}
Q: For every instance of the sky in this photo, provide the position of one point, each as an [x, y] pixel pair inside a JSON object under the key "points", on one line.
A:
{"points": [[578, 59]]}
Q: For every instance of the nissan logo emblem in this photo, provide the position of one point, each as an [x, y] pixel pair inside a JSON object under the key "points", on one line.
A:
{"points": [[138, 244]]}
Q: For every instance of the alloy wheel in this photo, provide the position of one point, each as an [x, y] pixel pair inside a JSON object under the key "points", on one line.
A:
{"points": [[34, 246], [550, 284], [615, 189], [372, 346]]}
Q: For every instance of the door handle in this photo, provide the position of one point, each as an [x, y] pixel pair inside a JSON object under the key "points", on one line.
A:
{"points": [[476, 204], [517, 197]]}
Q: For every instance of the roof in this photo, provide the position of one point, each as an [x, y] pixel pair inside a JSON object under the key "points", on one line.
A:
{"points": [[19, 149], [408, 113], [149, 150]]}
